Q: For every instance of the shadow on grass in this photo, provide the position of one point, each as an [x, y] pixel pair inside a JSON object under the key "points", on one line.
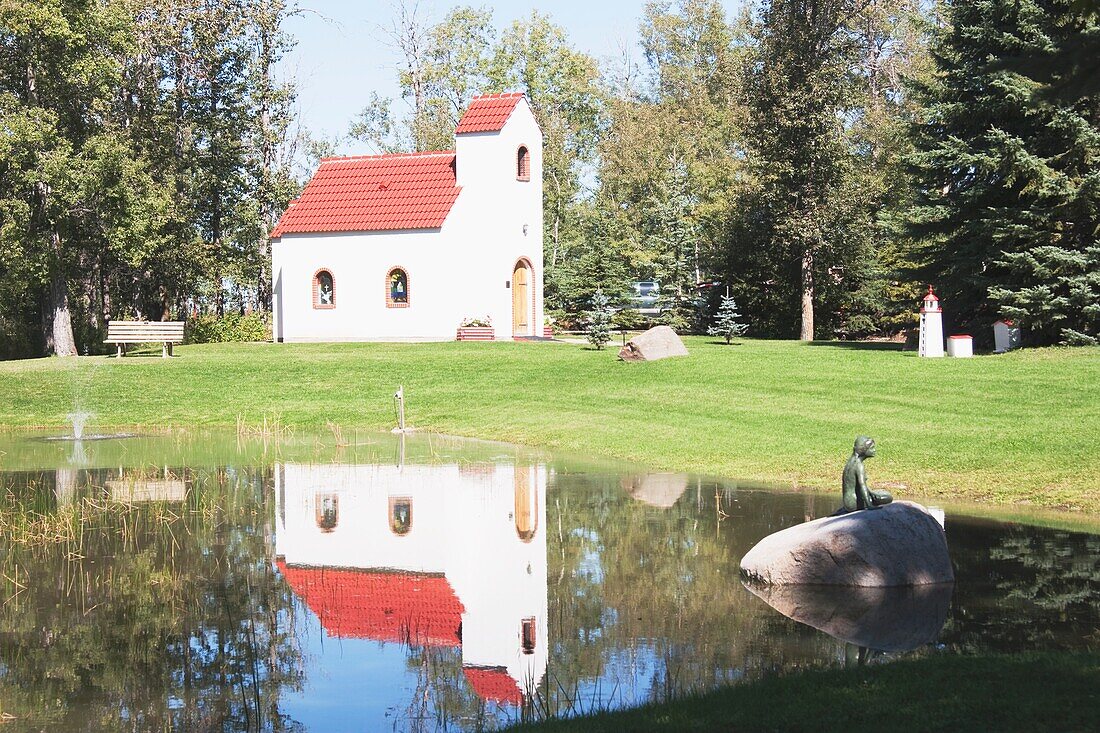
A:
{"points": [[942, 692], [860, 345], [141, 355]]}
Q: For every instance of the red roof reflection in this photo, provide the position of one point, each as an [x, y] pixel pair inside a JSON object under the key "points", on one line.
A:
{"points": [[494, 683], [411, 608]]}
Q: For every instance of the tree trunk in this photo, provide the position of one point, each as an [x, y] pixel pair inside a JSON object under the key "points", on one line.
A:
{"points": [[59, 336], [263, 281], [807, 333], [267, 157], [408, 31], [219, 295], [104, 314]]}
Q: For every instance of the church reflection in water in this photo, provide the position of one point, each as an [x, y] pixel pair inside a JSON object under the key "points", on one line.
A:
{"points": [[424, 555]]}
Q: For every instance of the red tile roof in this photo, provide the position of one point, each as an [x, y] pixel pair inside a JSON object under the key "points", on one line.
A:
{"points": [[374, 193], [494, 683], [410, 608], [488, 113]]}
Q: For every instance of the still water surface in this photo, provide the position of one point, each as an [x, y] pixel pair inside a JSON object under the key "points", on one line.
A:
{"points": [[426, 583]]}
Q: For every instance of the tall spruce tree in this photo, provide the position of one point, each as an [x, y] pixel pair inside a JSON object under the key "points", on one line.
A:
{"points": [[671, 223], [1010, 191]]}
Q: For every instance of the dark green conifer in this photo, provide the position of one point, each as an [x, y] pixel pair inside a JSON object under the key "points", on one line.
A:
{"points": [[1010, 205]]}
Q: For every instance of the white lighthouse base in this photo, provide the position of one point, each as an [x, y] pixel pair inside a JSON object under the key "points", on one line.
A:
{"points": [[931, 334]]}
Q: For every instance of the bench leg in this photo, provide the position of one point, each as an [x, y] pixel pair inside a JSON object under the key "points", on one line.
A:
{"points": [[118, 351], [164, 350]]}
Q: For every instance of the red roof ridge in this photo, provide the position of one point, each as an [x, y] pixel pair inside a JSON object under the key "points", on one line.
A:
{"points": [[500, 95], [385, 156], [379, 569]]}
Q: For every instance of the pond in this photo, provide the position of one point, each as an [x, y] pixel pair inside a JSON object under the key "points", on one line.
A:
{"points": [[207, 581]]}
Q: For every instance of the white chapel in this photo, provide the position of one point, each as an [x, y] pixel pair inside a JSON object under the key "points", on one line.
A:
{"points": [[405, 247]]}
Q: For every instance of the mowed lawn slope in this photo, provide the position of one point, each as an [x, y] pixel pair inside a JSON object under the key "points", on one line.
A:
{"points": [[1017, 428], [939, 693]]}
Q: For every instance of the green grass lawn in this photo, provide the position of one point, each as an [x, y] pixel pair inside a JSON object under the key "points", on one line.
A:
{"points": [[1018, 428], [1048, 692]]}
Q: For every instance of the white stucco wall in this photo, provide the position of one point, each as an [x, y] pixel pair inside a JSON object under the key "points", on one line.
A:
{"points": [[464, 269]]}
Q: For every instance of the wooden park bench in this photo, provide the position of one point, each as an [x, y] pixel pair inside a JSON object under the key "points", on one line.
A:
{"points": [[121, 333]]}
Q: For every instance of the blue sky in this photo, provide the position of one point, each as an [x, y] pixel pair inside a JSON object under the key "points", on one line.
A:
{"points": [[343, 54]]}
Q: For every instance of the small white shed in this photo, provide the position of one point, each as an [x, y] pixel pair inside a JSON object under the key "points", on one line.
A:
{"points": [[1006, 336]]}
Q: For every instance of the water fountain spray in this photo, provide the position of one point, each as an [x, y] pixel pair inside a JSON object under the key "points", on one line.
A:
{"points": [[78, 419]]}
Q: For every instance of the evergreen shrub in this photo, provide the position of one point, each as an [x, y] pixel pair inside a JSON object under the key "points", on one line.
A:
{"points": [[727, 321], [599, 320]]}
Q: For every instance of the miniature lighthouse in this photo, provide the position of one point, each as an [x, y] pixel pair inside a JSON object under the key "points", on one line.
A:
{"points": [[931, 326]]}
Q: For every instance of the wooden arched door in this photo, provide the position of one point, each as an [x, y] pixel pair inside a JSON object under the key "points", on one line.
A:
{"points": [[521, 299]]}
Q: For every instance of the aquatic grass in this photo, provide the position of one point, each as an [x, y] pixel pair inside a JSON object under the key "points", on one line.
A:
{"points": [[27, 522], [1019, 428], [101, 597]]}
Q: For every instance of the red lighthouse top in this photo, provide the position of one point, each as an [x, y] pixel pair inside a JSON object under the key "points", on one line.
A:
{"points": [[931, 302]]}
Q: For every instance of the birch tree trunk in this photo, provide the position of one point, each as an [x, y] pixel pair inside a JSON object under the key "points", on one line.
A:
{"points": [[59, 336], [807, 332]]}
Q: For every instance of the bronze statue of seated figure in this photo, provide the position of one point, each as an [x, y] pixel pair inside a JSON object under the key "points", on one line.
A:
{"points": [[856, 493]]}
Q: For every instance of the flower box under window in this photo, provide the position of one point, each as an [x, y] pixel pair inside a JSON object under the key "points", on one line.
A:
{"points": [[476, 333]]}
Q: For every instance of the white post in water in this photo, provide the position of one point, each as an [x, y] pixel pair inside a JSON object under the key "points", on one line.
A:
{"points": [[399, 403], [931, 326]]}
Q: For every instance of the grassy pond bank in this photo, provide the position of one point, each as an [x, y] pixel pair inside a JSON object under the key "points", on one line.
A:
{"points": [[259, 558]]}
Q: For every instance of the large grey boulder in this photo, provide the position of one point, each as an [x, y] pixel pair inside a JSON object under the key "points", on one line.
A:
{"points": [[894, 545], [886, 619], [659, 342]]}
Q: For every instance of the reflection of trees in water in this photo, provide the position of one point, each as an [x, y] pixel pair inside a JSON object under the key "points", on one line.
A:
{"points": [[441, 699], [646, 596], [1021, 587], [159, 616], [147, 616]]}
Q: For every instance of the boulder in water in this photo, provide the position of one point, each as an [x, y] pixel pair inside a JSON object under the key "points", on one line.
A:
{"points": [[899, 544]]}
